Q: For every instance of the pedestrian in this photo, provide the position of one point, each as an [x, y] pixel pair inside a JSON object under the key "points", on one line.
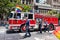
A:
{"points": [[27, 29], [40, 26], [45, 26], [0, 21]]}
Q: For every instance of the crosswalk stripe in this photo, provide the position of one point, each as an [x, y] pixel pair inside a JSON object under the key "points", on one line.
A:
{"points": [[38, 38]]}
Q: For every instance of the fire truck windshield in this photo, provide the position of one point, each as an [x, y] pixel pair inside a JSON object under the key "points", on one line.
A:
{"points": [[11, 15], [17, 15]]}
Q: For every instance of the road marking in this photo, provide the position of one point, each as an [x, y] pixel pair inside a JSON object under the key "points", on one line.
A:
{"points": [[38, 38], [2, 30], [10, 38], [21, 34]]}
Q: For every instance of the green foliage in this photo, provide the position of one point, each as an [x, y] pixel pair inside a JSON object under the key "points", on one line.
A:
{"points": [[7, 5], [59, 16], [26, 8], [10, 5], [52, 12]]}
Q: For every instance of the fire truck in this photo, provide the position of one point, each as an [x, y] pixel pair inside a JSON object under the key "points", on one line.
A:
{"points": [[17, 19]]}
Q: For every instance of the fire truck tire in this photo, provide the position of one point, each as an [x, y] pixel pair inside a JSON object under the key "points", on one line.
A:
{"points": [[23, 28], [51, 27]]}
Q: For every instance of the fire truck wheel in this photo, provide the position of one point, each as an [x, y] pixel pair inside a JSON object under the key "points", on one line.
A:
{"points": [[23, 28], [51, 27]]}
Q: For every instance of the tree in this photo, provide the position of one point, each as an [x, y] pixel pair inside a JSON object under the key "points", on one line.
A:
{"points": [[27, 8], [52, 12], [6, 6], [58, 16]]}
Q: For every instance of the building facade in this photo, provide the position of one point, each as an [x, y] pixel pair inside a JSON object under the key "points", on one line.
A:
{"points": [[28, 2], [43, 6]]}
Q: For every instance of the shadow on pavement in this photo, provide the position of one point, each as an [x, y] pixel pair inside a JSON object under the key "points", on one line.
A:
{"points": [[11, 32]]}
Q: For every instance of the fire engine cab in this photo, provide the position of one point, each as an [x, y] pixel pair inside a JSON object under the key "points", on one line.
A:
{"points": [[17, 19]]}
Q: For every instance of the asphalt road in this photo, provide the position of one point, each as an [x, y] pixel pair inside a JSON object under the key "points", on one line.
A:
{"points": [[18, 36]]}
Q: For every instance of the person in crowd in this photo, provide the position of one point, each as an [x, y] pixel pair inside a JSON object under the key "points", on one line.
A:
{"points": [[27, 29], [45, 26], [40, 26]]}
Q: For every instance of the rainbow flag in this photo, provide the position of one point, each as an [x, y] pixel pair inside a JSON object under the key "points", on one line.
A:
{"points": [[57, 32], [19, 8]]}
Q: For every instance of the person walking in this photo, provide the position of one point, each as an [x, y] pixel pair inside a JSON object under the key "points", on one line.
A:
{"points": [[27, 29], [40, 26]]}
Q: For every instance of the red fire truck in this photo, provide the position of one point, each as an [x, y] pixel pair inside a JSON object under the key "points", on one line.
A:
{"points": [[17, 19]]}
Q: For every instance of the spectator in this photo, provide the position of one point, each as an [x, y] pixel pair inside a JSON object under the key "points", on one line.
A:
{"points": [[0, 21], [45, 26]]}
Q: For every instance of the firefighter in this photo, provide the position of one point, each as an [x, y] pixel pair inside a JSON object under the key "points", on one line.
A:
{"points": [[27, 29], [45, 26], [40, 26]]}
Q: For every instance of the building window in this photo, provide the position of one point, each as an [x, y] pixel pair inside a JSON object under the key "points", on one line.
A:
{"points": [[37, 1], [36, 7], [55, 0], [29, 1], [26, 1], [42, 1], [22, 1], [43, 11]]}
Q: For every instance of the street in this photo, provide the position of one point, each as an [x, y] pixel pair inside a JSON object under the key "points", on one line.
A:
{"points": [[20, 17], [34, 35]]}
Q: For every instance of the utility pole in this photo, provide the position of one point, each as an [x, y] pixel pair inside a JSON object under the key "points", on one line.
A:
{"points": [[33, 5]]}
